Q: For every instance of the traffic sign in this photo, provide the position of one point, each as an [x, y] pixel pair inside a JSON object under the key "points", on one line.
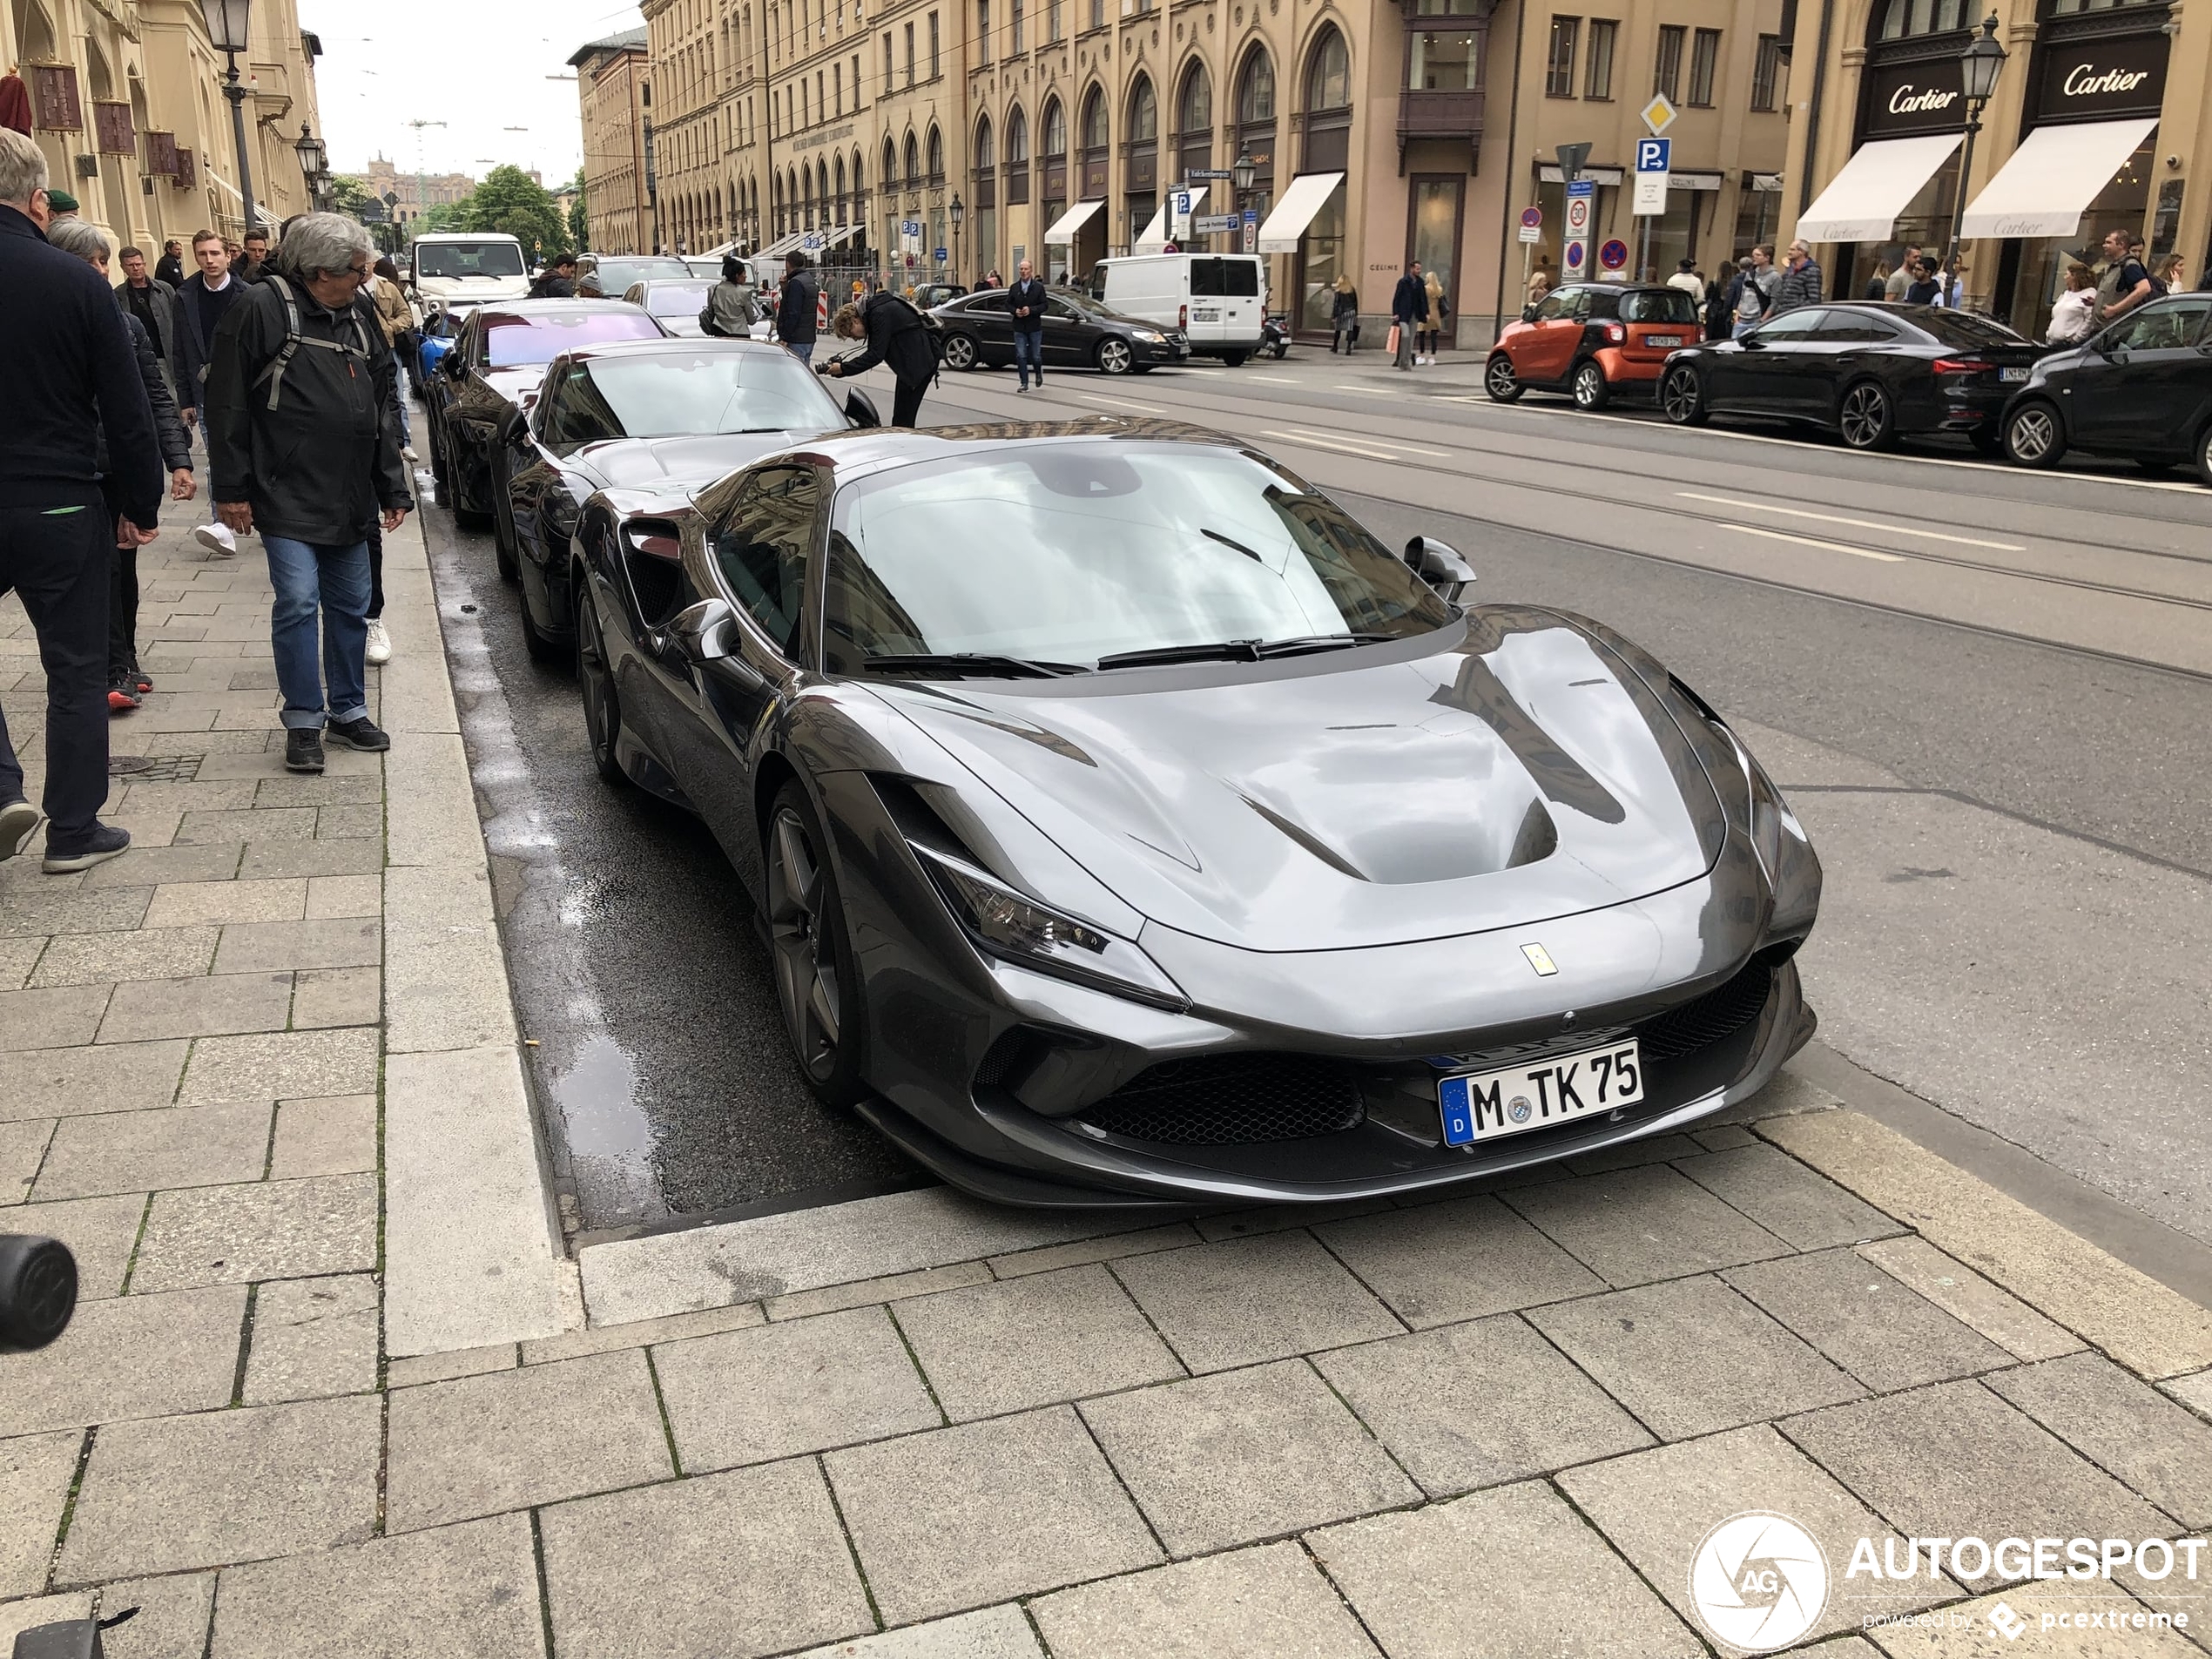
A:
{"points": [[941, 256], [1571, 158], [1613, 255], [1214, 224], [1659, 114], [1251, 230], [1654, 159], [1178, 214], [1532, 224], [1207, 172], [1573, 258], [1581, 201]]}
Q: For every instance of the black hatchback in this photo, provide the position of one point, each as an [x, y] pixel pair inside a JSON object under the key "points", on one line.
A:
{"points": [[1871, 373], [2140, 388]]}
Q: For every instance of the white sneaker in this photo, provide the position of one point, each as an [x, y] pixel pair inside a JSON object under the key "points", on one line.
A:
{"points": [[409, 453], [379, 643], [218, 540]]}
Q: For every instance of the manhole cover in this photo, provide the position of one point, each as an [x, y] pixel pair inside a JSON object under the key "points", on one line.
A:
{"points": [[123, 765]]}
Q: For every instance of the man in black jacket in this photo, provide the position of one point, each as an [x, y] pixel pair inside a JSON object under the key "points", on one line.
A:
{"points": [[169, 267], [1409, 304], [153, 302], [303, 448], [202, 303], [559, 280], [66, 376], [795, 324], [1025, 302], [897, 335]]}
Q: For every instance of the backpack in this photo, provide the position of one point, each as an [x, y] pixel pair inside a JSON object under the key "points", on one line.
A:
{"points": [[294, 338], [915, 320]]}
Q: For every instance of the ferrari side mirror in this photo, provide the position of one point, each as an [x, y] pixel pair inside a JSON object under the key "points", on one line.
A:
{"points": [[701, 630], [860, 409], [1440, 567]]}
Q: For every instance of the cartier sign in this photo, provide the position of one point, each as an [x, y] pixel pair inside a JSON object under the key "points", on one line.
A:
{"points": [[1904, 99], [2096, 78]]}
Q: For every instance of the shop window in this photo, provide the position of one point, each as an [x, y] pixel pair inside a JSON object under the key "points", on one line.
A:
{"points": [[1906, 18], [1704, 56], [1597, 79], [1766, 71], [1666, 69], [1559, 65]]}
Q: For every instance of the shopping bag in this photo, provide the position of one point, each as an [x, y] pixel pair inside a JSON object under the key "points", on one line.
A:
{"points": [[1389, 346]]}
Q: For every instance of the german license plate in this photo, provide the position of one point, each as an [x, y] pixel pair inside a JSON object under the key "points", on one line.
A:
{"points": [[1205, 316], [1662, 339], [2011, 374], [1487, 1105]]}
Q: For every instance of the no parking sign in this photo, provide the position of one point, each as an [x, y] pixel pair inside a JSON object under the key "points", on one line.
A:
{"points": [[1613, 255]]}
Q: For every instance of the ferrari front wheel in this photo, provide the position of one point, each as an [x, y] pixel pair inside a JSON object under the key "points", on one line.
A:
{"points": [[817, 980]]}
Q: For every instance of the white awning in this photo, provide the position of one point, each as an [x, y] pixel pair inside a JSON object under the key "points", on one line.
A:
{"points": [[1550, 174], [1155, 228], [1280, 231], [2052, 178], [1064, 228], [781, 246], [1862, 202]]}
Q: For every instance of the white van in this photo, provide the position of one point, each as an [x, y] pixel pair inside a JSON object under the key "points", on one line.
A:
{"points": [[1219, 300], [456, 271]]}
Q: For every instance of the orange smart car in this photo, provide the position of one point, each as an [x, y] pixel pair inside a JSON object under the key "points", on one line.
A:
{"points": [[1592, 340]]}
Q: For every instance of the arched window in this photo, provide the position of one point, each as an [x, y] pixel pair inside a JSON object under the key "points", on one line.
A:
{"points": [[1144, 112], [1017, 157], [1327, 117], [890, 164], [1094, 120], [984, 160], [840, 190], [1904, 19], [1255, 131], [1256, 90], [1194, 120], [1091, 129], [914, 164], [1056, 132], [1141, 158], [983, 200], [936, 157]]}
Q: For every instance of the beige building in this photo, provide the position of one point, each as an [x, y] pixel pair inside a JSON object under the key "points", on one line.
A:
{"points": [[127, 103], [417, 193], [610, 93]]}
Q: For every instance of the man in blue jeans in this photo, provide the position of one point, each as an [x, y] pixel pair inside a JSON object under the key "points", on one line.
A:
{"points": [[1025, 302], [303, 448]]}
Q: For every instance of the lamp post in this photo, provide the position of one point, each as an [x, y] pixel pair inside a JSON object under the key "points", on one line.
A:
{"points": [[959, 212], [226, 32], [315, 166], [1979, 66]]}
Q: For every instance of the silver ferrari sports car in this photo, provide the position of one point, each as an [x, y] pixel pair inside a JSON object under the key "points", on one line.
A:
{"points": [[1130, 827]]}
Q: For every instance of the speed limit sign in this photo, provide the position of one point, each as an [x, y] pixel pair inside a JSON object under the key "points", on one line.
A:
{"points": [[1578, 215]]}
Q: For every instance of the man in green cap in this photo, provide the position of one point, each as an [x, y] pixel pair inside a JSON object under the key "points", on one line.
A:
{"points": [[60, 205]]}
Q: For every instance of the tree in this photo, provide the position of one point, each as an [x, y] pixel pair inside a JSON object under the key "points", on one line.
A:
{"points": [[511, 201], [450, 216], [579, 222], [350, 196]]}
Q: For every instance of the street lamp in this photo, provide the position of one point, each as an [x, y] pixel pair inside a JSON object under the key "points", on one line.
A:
{"points": [[1978, 67], [959, 214], [226, 32], [1244, 171], [315, 164]]}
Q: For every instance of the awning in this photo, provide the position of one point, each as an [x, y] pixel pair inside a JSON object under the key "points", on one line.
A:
{"points": [[1549, 174], [1155, 228], [781, 246], [2052, 178], [1064, 228], [1280, 231], [1862, 202]]}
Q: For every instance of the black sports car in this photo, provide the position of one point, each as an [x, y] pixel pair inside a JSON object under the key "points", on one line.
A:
{"points": [[1872, 373], [1129, 826], [2140, 388], [649, 414], [493, 368], [1079, 332]]}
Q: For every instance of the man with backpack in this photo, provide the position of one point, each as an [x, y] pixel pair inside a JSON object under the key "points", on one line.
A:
{"points": [[896, 335], [795, 324], [1753, 293], [2126, 283]]}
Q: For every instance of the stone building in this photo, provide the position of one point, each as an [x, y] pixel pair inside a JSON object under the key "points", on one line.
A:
{"points": [[418, 193], [612, 99]]}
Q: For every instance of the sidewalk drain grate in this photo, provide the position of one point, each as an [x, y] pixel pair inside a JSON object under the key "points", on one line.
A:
{"points": [[155, 769]]}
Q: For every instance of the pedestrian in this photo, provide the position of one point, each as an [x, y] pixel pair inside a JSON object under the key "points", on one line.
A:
{"points": [[397, 318], [1026, 302], [557, 280], [2126, 284], [60, 207], [992, 280], [733, 307], [1719, 301], [1540, 287], [1436, 312], [303, 448], [1924, 289], [795, 323], [1344, 317], [896, 335], [2074, 318], [169, 267], [202, 303], [1686, 279], [254, 266], [1800, 284], [2169, 276], [1756, 284], [66, 380], [126, 682], [1878, 286], [1898, 281], [1409, 304], [153, 302]]}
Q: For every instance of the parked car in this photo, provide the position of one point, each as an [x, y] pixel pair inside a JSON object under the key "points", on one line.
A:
{"points": [[455, 271], [2141, 387], [493, 366], [1592, 340], [675, 304], [1869, 373], [1050, 756], [1218, 301], [978, 330], [607, 276], [929, 295], [700, 266]]}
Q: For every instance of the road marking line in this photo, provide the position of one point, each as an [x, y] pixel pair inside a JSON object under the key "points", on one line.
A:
{"points": [[1101, 397], [1389, 444], [1277, 380], [1367, 391], [1860, 524], [1810, 541], [1333, 443]]}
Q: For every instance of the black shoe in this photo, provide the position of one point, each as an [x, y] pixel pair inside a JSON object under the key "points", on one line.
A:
{"points": [[18, 819], [360, 734], [141, 679], [302, 750], [105, 842]]}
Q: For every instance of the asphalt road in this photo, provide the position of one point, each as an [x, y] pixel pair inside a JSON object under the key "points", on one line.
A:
{"points": [[2011, 672]]}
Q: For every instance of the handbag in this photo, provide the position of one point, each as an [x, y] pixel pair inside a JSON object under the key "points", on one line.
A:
{"points": [[1391, 345]]}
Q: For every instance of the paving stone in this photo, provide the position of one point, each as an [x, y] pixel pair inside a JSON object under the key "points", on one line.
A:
{"points": [[605, 1339], [1014, 1504], [36, 1471], [1968, 1632], [1691, 1357], [724, 1566], [51, 910], [989, 1633], [111, 1078], [335, 996], [172, 1617], [1479, 1405], [51, 1019], [1248, 1299], [277, 824], [1657, 1505], [779, 1390], [147, 830], [330, 897], [135, 1152], [892, 1287], [333, 823], [212, 796], [16, 1617], [270, 1230], [1637, 1225], [1281, 1218], [469, 1591], [1047, 1337], [2196, 1391], [411, 1370], [1972, 1299], [1246, 1455], [332, 1137], [1085, 1250], [327, 791], [2005, 1476], [271, 858], [1724, 1137], [313, 1337], [207, 1006], [220, 1486], [100, 1232], [1267, 1601], [1460, 1259], [187, 904], [1627, 1154], [23, 1146], [508, 1439], [1546, 1584], [2122, 1426], [102, 959], [1874, 1327], [285, 1065], [348, 941], [1786, 1199], [19, 955]]}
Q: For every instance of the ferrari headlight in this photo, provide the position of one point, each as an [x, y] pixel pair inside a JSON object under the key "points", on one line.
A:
{"points": [[1015, 927]]}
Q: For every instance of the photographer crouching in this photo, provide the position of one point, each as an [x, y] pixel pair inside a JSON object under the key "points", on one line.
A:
{"points": [[896, 335]]}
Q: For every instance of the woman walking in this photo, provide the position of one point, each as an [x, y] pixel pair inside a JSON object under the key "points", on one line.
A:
{"points": [[1344, 318], [1433, 317], [2075, 312]]}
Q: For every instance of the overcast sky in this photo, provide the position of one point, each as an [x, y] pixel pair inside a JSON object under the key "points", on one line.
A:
{"points": [[478, 66]]}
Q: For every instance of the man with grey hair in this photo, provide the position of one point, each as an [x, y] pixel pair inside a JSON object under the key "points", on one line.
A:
{"points": [[67, 375], [303, 448]]}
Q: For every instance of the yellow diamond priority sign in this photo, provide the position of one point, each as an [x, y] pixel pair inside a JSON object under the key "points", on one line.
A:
{"points": [[1659, 114]]}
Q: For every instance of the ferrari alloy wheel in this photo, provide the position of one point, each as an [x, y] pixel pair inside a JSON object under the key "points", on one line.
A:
{"points": [[960, 351], [594, 678], [502, 541], [2033, 436], [816, 984], [1682, 397], [1114, 355], [1867, 418], [1499, 379], [1592, 390]]}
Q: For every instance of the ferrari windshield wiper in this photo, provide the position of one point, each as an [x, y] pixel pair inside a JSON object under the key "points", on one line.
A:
{"points": [[1216, 536], [1236, 651], [1320, 642], [968, 662]]}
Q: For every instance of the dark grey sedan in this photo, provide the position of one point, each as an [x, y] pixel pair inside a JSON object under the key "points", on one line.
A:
{"points": [[1079, 332]]}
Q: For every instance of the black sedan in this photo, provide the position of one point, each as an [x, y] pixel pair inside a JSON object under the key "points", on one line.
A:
{"points": [[1051, 755], [1079, 332], [607, 276], [2141, 389], [643, 414], [1869, 373], [492, 368]]}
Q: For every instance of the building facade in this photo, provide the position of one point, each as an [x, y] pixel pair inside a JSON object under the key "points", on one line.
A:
{"points": [[417, 193], [127, 103], [612, 96]]}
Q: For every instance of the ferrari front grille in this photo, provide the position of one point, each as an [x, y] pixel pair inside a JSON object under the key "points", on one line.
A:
{"points": [[1232, 1100], [1704, 1020]]}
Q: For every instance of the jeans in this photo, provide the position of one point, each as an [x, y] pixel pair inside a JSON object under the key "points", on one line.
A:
{"points": [[1743, 325], [1029, 354], [57, 559], [399, 404], [802, 349], [332, 581]]}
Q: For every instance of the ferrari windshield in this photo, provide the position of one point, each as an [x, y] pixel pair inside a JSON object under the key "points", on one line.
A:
{"points": [[1071, 552], [511, 341], [669, 394], [467, 259]]}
